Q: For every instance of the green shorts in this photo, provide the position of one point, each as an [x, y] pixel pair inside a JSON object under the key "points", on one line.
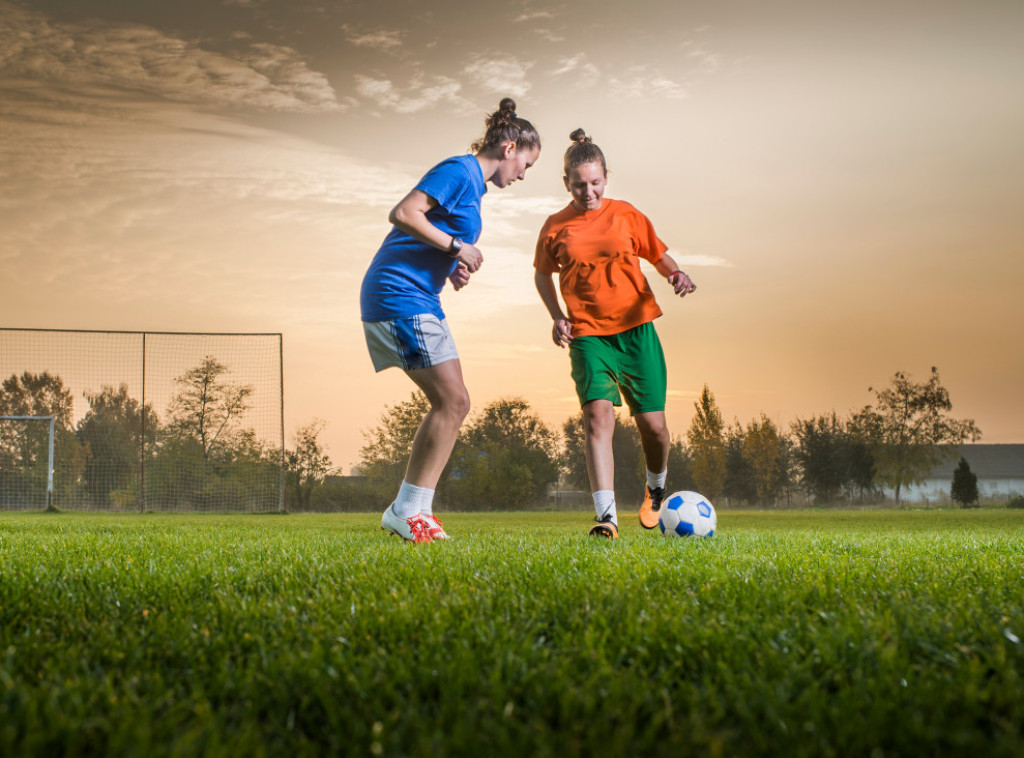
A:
{"points": [[630, 362]]}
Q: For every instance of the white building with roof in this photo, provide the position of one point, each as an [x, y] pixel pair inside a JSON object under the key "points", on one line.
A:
{"points": [[999, 468]]}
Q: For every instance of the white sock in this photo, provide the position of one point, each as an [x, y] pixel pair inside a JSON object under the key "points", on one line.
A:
{"points": [[426, 501], [656, 480], [604, 504], [408, 501]]}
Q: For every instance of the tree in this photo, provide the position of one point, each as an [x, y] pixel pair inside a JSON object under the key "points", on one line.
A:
{"points": [[308, 463], [740, 484], [707, 446], [111, 432], [384, 456], [505, 459], [910, 430], [965, 484], [822, 453], [206, 407], [25, 450], [763, 449]]}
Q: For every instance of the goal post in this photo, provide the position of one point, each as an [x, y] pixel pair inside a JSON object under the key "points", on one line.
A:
{"points": [[150, 421], [16, 459]]}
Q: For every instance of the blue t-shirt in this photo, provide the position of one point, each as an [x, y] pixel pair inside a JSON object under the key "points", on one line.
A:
{"points": [[406, 276]]}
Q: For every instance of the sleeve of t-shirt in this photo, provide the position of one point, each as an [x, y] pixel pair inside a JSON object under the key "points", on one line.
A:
{"points": [[543, 260], [445, 182], [651, 246]]}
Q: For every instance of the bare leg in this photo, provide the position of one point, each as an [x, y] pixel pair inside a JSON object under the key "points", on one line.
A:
{"points": [[599, 426], [654, 438], [449, 404]]}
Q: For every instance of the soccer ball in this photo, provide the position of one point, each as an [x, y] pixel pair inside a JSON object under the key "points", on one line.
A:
{"points": [[687, 514]]}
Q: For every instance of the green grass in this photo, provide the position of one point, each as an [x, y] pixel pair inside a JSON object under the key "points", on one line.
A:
{"points": [[793, 633]]}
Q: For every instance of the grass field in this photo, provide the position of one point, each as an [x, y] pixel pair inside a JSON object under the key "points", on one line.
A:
{"points": [[813, 633]]}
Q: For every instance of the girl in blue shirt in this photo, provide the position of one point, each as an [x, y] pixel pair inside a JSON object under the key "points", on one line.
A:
{"points": [[433, 238]]}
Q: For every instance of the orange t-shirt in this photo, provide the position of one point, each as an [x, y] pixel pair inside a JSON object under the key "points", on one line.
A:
{"points": [[597, 256]]}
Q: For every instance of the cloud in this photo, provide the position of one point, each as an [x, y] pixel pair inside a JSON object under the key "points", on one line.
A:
{"points": [[707, 60], [165, 213], [381, 39], [641, 82], [416, 96], [586, 74], [533, 16], [701, 259], [505, 75], [549, 35], [133, 58]]}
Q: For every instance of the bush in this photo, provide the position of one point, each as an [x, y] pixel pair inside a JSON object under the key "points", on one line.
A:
{"points": [[1017, 501]]}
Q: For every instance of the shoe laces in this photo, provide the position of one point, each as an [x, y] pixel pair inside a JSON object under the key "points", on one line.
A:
{"points": [[420, 529], [657, 495]]}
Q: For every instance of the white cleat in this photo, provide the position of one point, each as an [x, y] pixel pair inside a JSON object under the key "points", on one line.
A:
{"points": [[435, 528], [414, 529]]}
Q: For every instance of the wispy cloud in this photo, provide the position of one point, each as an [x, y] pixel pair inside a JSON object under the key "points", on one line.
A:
{"points": [[701, 259], [164, 210], [707, 60], [549, 35], [379, 39], [505, 75], [642, 82], [585, 73], [533, 16], [133, 58], [420, 93]]}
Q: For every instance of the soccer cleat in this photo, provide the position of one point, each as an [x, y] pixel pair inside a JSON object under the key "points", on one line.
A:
{"points": [[606, 528], [435, 527], [414, 529], [650, 508]]}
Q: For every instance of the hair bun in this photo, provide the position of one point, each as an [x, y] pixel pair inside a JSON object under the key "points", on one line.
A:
{"points": [[507, 106], [580, 136]]}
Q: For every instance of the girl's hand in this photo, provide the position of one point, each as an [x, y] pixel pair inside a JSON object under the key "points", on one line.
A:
{"points": [[470, 257], [561, 332], [459, 277], [681, 283]]}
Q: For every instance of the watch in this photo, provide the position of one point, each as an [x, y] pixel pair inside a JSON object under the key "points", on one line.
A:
{"points": [[455, 247]]}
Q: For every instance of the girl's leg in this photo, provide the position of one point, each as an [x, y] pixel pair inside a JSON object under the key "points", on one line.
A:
{"points": [[599, 426], [654, 438], [411, 515], [435, 439]]}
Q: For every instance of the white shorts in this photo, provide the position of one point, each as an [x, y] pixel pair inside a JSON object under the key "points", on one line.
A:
{"points": [[410, 343]]}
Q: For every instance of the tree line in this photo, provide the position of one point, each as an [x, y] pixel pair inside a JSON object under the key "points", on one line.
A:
{"points": [[196, 456], [507, 458]]}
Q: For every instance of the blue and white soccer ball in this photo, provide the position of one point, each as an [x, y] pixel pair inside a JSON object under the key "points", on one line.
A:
{"points": [[687, 514]]}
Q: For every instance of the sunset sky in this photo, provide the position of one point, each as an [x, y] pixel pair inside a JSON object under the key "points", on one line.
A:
{"points": [[843, 181]]}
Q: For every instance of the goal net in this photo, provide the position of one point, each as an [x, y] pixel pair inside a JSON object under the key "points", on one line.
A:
{"points": [[145, 421], [26, 462]]}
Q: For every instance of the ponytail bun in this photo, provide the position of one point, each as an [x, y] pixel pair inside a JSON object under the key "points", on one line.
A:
{"points": [[579, 136], [504, 125]]}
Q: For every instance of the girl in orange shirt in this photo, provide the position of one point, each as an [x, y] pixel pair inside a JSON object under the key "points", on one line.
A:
{"points": [[595, 245]]}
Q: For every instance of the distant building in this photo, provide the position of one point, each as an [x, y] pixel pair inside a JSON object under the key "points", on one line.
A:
{"points": [[999, 468]]}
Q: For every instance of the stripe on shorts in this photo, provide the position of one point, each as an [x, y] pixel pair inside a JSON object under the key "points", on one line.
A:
{"points": [[409, 343]]}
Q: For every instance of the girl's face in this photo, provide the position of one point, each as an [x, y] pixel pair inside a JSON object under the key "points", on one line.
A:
{"points": [[586, 184], [514, 164]]}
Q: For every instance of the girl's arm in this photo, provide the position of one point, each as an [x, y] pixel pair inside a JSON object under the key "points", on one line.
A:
{"points": [[410, 215], [561, 330], [681, 283]]}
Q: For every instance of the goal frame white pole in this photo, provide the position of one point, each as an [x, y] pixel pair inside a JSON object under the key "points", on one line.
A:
{"points": [[49, 461]]}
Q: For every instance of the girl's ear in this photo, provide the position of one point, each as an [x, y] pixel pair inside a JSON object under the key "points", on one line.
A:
{"points": [[510, 148]]}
